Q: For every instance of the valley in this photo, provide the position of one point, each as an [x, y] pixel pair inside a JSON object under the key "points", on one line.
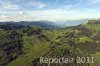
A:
{"points": [[23, 46]]}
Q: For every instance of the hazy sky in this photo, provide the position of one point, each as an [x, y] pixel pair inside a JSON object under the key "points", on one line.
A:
{"points": [[53, 10]]}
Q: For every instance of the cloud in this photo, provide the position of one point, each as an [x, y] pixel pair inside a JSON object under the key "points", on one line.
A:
{"points": [[92, 2], [72, 5], [79, 3], [66, 12], [9, 6], [38, 4], [51, 15], [3, 16]]}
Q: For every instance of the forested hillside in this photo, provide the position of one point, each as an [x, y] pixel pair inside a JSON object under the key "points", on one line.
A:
{"points": [[25, 46]]}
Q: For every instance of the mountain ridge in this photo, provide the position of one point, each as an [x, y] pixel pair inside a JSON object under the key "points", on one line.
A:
{"points": [[23, 24]]}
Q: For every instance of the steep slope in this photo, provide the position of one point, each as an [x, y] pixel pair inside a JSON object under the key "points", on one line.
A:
{"points": [[10, 46], [93, 24], [77, 41], [35, 44]]}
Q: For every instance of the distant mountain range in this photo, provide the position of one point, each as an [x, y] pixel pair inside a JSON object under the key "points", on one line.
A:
{"points": [[43, 24], [70, 22], [23, 24]]}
